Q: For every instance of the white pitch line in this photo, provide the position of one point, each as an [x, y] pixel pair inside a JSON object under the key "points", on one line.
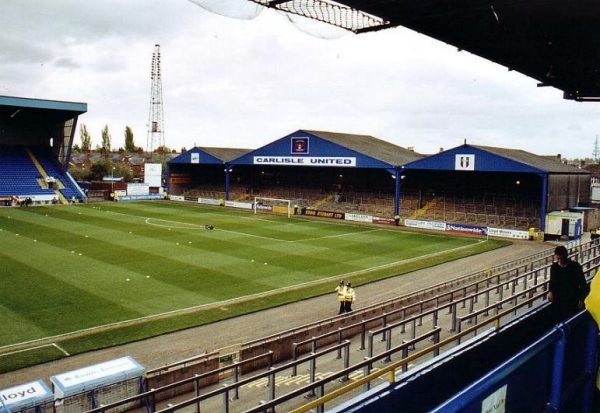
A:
{"points": [[338, 235], [183, 225], [172, 224], [198, 226], [35, 348], [61, 349], [227, 302]]}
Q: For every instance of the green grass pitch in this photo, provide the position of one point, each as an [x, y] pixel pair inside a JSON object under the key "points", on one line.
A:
{"points": [[71, 268]]}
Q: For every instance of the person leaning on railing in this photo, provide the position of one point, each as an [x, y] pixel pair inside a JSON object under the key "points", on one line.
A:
{"points": [[568, 287]]}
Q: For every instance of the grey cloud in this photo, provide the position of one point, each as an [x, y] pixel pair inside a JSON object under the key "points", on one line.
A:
{"points": [[66, 62], [19, 51]]}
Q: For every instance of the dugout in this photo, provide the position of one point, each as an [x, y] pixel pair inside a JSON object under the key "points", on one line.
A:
{"points": [[494, 182]]}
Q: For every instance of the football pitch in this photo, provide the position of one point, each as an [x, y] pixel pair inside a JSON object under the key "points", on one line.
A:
{"points": [[78, 267]]}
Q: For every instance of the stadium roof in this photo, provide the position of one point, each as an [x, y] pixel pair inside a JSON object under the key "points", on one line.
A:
{"points": [[370, 152], [43, 113], [209, 155], [544, 163], [553, 41], [492, 159], [226, 154], [370, 146], [40, 122], [28, 103]]}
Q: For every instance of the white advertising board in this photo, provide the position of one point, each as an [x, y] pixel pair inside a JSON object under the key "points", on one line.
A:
{"points": [[109, 372], [138, 188], [415, 223], [25, 395], [153, 174]]}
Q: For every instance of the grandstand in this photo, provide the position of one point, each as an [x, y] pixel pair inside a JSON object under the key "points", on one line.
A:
{"points": [[418, 339], [498, 188], [36, 139]]}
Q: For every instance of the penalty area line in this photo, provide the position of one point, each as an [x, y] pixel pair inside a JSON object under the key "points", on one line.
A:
{"points": [[59, 348]]}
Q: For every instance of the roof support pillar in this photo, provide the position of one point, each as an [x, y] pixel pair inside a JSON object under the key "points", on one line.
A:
{"points": [[168, 179], [397, 192], [227, 173], [544, 202]]}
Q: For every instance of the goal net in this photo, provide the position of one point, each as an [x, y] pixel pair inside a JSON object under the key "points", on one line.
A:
{"points": [[273, 206]]}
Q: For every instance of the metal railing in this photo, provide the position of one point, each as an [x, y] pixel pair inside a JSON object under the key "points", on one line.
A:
{"points": [[495, 280]]}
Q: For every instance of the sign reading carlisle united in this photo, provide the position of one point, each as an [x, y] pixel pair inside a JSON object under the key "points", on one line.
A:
{"points": [[306, 160], [301, 146]]}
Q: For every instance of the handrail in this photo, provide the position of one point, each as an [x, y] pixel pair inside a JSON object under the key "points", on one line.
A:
{"points": [[414, 294], [153, 392], [392, 367], [182, 363], [269, 373], [309, 388]]}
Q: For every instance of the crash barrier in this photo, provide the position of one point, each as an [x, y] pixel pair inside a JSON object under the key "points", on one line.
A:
{"points": [[519, 368]]}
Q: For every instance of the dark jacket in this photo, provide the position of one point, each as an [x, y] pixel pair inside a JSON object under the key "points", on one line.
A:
{"points": [[568, 286]]}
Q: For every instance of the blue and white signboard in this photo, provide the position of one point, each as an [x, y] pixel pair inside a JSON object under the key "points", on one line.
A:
{"points": [[95, 376], [25, 396]]}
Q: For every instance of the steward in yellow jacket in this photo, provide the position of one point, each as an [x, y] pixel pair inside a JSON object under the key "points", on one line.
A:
{"points": [[341, 293], [350, 297]]}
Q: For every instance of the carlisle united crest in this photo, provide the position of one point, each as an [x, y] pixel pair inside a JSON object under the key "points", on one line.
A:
{"points": [[299, 146]]}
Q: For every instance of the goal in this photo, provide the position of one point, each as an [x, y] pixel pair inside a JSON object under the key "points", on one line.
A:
{"points": [[272, 206]]}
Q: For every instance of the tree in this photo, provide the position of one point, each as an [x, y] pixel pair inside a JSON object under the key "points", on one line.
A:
{"points": [[129, 145], [100, 169], [123, 171], [86, 139], [79, 174], [106, 138]]}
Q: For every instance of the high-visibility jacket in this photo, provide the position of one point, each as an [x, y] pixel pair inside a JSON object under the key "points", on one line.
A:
{"points": [[341, 291], [350, 294]]}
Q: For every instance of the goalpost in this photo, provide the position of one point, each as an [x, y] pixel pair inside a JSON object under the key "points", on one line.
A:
{"points": [[272, 205]]}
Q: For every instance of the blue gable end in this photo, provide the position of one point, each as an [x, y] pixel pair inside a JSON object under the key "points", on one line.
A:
{"points": [[469, 158], [305, 149], [196, 156]]}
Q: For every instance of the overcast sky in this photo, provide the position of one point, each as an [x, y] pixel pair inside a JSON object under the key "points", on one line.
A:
{"points": [[245, 83]]}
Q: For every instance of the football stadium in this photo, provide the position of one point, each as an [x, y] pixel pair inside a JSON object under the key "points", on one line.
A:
{"points": [[86, 276], [325, 271]]}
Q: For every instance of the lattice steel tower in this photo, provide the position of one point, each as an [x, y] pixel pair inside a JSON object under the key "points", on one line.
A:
{"points": [[156, 133]]}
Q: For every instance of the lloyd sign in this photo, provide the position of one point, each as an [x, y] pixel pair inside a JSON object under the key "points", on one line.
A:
{"points": [[28, 393]]}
